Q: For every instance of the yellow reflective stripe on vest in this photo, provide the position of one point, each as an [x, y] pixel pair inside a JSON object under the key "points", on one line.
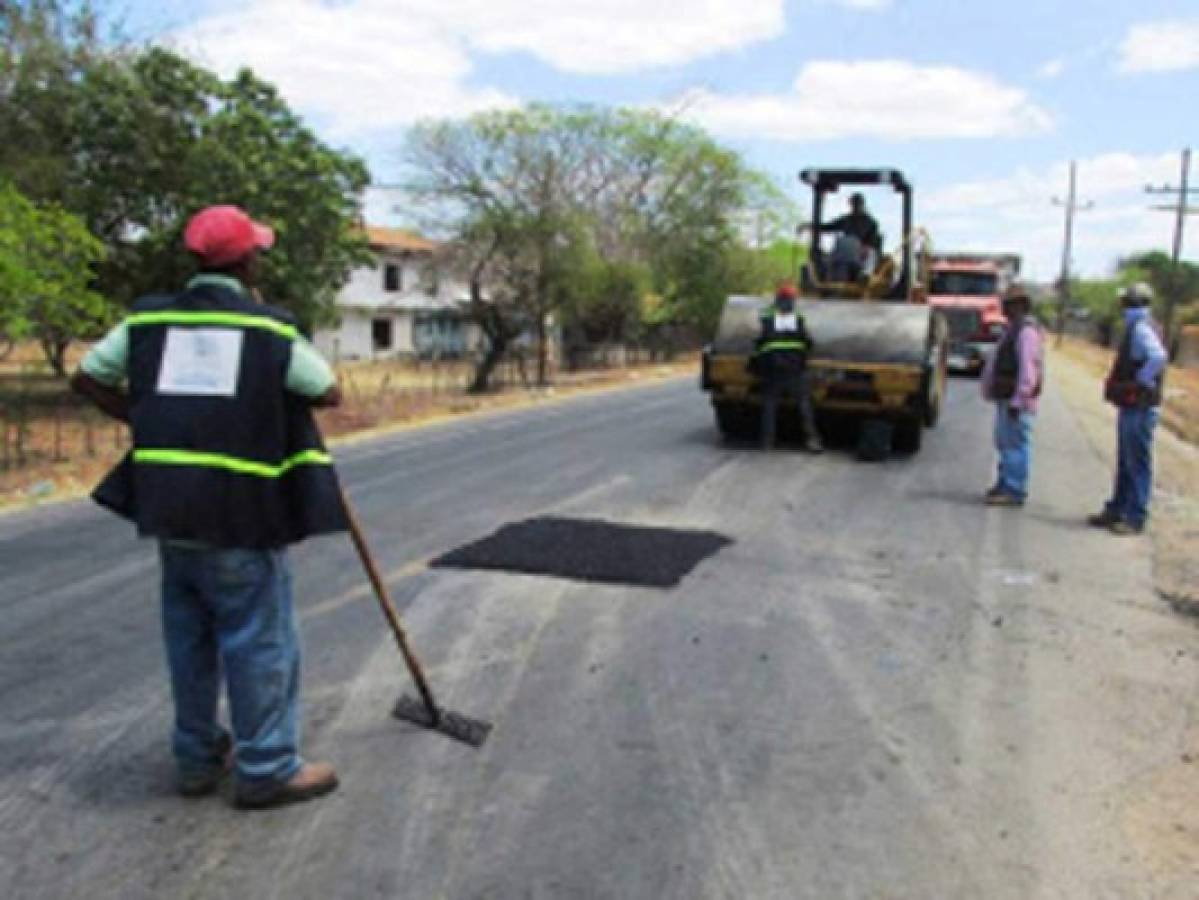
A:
{"points": [[236, 464], [238, 320], [782, 345]]}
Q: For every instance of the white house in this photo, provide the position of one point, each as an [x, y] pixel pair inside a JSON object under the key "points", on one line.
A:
{"points": [[405, 306]]}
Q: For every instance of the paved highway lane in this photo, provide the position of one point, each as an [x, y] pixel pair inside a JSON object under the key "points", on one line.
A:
{"points": [[882, 689]]}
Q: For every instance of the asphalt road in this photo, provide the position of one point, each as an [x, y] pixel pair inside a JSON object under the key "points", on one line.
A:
{"points": [[881, 689]]}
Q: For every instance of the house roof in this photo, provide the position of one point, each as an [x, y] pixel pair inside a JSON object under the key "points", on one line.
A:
{"points": [[397, 239]]}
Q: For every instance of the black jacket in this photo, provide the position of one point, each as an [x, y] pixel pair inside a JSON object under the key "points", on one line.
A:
{"points": [[859, 225], [780, 353], [1122, 387]]}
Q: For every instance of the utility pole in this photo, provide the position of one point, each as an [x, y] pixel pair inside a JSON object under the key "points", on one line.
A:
{"points": [[1072, 206], [1181, 211]]}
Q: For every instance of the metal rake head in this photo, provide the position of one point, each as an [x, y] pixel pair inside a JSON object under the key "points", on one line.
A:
{"points": [[453, 725]]}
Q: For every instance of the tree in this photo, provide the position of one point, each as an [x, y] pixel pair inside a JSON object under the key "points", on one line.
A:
{"points": [[508, 182], [1099, 298], [135, 141], [46, 265], [528, 194], [606, 300], [46, 47], [1175, 286]]}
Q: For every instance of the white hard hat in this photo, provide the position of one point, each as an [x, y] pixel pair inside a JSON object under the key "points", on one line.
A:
{"points": [[1137, 294]]}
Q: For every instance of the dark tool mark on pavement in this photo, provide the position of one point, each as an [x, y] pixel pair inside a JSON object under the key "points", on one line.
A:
{"points": [[589, 550]]}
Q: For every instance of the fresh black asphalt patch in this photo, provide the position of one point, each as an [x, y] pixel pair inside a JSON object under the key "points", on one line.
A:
{"points": [[589, 550]]}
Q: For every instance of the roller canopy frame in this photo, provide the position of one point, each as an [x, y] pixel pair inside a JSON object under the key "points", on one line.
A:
{"points": [[828, 181]]}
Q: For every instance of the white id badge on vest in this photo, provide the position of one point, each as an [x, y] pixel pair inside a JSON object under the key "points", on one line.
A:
{"points": [[785, 322], [201, 362]]}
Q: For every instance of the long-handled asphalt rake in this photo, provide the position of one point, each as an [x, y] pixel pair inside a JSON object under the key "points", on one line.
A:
{"points": [[425, 711]]}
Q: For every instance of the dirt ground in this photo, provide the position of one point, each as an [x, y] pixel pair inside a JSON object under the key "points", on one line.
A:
{"points": [[1078, 368]]}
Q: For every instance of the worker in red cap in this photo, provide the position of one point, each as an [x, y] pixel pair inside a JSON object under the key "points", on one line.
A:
{"points": [[780, 361], [226, 470]]}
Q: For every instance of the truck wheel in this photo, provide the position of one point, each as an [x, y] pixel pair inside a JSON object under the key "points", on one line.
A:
{"points": [[909, 433], [932, 406], [935, 387], [736, 421]]}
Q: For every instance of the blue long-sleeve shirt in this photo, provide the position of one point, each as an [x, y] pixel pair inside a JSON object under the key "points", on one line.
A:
{"points": [[1147, 347]]}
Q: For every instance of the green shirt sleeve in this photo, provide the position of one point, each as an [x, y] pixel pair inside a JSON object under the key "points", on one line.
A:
{"points": [[308, 374], [108, 361]]}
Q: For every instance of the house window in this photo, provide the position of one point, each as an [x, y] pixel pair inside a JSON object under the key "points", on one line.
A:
{"points": [[431, 280], [438, 334], [393, 279], [381, 334]]}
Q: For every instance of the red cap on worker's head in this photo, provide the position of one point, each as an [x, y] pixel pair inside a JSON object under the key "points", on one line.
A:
{"points": [[786, 289], [222, 235]]}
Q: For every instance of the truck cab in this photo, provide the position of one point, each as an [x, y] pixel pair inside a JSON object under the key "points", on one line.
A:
{"points": [[968, 290]]}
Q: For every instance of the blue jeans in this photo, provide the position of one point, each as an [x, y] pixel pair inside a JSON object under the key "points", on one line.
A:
{"points": [[1013, 442], [1134, 465], [230, 612]]}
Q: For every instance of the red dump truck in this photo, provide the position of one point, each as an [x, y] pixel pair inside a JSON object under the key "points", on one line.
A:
{"points": [[968, 289]]}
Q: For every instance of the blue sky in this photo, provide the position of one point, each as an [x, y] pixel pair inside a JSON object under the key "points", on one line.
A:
{"points": [[981, 104]]}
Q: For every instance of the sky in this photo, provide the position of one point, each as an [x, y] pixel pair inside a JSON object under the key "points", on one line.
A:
{"points": [[981, 105]]}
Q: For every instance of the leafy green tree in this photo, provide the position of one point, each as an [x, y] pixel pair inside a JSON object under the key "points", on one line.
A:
{"points": [[529, 195], [607, 301], [1175, 286], [134, 141], [46, 47], [46, 265], [1098, 298]]}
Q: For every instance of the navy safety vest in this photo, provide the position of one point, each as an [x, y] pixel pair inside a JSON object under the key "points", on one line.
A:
{"points": [[781, 352], [223, 454], [1122, 387]]}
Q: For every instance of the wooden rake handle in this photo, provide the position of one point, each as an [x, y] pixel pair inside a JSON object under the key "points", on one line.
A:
{"points": [[389, 610]]}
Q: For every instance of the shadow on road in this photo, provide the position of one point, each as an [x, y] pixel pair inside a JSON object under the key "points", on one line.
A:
{"points": [[972, 499]]}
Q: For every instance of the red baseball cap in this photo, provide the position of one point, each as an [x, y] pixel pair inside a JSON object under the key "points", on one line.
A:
{"points": [[787, 289], [221, 235]]}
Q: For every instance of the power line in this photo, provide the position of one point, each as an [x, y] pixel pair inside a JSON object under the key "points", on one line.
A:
{"points": [[1181, 211], [1072, 205]]}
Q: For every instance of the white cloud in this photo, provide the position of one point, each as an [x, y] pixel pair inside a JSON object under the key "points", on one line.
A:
{"points": [[359, 67], [1165, 46], [606, 36], [1052, 68], [1017, 213], [364, 65], [889, 99]]}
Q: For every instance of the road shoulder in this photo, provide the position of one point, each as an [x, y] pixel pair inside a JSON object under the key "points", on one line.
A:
{"points": [[1174, 527]]}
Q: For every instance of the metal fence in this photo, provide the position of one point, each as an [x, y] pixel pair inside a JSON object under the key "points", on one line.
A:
{"points": [[54, 428]]}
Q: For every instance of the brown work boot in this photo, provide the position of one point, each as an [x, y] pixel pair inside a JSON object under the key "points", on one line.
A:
{"points": [[1003, 498], [311, 781], [194, 784], [1125, 528]]}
